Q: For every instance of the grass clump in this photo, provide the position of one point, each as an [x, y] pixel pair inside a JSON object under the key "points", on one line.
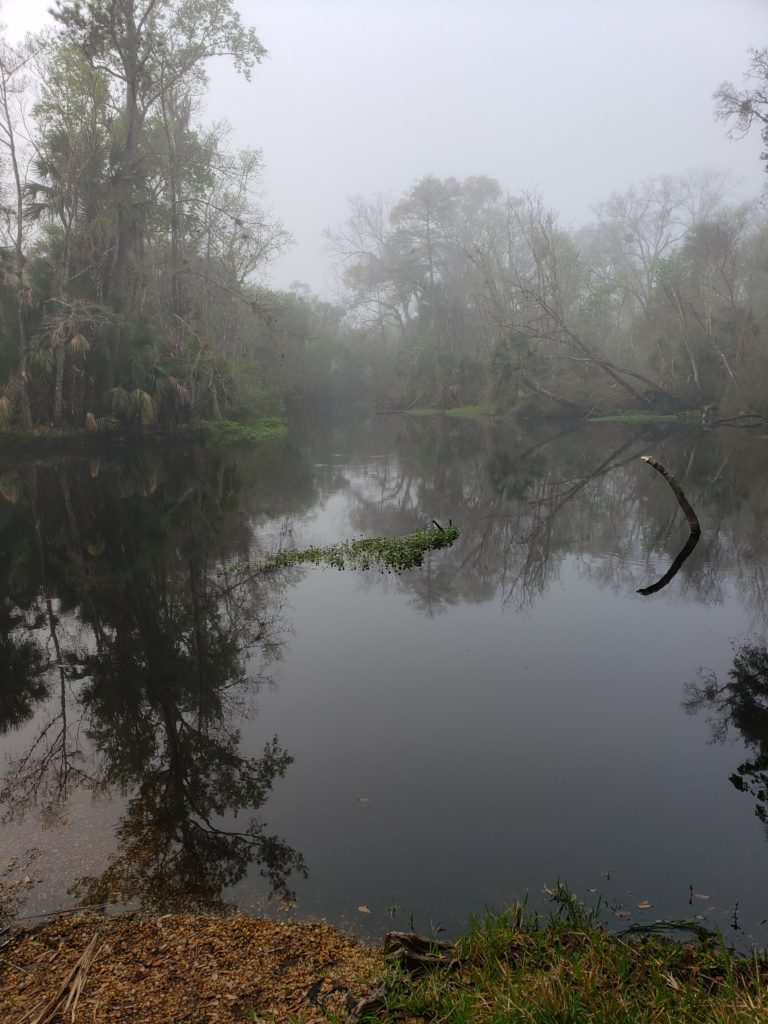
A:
{"points": [[392, 553], [233, 432], [468, 412], [639, 416], [513, 967]]}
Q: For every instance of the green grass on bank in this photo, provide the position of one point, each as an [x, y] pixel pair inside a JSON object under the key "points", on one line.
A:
{"points": [[629, 416], [41, 440], [638, 416], [512, 968], [232, 432], [468, 412]]}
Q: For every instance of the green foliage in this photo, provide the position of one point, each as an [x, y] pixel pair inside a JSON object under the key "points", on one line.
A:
{"points": [[231, 432], [133, 301], [513, 966], [468, 412], [637, 416], [390, 553], [252, 396], [133, 406]]}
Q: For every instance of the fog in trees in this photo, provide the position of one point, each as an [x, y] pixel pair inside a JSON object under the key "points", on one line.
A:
{"points": [[139, 229]]}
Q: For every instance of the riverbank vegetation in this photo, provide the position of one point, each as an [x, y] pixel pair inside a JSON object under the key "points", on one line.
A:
{"points": [[134, 238], [135, 241], [478, 294], [509, 967]]}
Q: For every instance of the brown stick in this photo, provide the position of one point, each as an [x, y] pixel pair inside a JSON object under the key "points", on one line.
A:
{"points": [[690, 515], [68, 993]]}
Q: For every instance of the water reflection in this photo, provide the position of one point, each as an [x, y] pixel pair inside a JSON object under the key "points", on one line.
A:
{"points": [[684, 553], [134, 640], [527, 501], [130, 626], [740, 705]]}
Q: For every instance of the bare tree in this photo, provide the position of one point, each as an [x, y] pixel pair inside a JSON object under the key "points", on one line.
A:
{"points": [[15, 69]]}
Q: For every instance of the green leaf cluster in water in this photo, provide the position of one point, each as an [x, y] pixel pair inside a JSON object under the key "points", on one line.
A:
{"points": [[393, 553], [231, 432]]}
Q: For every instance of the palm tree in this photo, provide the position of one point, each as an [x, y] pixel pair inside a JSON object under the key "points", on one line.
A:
{"points": [[69, 165]]}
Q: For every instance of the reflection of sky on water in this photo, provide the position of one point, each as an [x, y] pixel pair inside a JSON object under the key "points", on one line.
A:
{"points": [[500, 752], [452, 752]]}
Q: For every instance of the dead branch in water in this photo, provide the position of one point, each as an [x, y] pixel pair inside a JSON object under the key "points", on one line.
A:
{"points": [[690, 515], [693, 525]]}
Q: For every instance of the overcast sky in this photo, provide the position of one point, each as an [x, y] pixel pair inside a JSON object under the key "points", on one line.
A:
{"points": [[575, 97]]}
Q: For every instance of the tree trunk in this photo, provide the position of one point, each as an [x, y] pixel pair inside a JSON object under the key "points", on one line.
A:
{"points": [[58, 390], [22, 295]]}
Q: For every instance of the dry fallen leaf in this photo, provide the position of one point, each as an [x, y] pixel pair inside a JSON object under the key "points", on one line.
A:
{"points": [[213, 969], [363, 909]]}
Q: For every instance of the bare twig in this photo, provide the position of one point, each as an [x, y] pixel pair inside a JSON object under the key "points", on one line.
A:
{"points": [[690, 515], [693, 525], [60, 913], [68, 993]]}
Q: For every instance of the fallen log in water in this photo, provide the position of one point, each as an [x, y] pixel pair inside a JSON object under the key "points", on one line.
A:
{"points": [[690, 515], [693, 525]]}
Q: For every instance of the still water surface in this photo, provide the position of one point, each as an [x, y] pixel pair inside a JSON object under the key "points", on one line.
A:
{"points": [[182, 729]]}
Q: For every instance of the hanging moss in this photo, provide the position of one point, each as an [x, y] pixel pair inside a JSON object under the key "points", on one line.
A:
{"points": [[393, 553]]}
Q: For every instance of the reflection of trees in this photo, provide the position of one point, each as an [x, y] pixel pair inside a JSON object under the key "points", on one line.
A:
{"points": [[155, 642], [21, 665], [527, 500], [22, 686], [741, 704], [165, 681], [524, 503], [53, 761]]}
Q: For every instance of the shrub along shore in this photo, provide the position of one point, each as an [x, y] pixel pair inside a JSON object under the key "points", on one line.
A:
{"points": [[510, 966]]}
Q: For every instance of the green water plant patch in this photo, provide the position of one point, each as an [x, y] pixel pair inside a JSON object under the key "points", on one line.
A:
{"points": [[386, 553], [233, 432]]}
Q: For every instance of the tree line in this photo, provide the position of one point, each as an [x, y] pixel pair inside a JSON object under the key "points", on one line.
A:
{"points": [[477, 294], [133, 235], [134, 240], [482, 295]]}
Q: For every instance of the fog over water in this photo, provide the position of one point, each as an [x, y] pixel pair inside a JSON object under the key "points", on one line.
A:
{"points": [[197, 708], [575, 99]]}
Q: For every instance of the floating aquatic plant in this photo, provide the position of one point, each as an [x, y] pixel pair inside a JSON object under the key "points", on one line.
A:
{"points": [[392, 553]]}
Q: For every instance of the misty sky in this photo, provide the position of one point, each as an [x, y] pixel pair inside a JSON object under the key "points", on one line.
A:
{"points": [[574, 97]]}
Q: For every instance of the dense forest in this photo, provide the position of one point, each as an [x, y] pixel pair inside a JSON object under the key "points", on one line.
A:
{"points": [[134, 240]]}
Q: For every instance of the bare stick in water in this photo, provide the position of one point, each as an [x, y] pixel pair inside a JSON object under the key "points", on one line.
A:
{"points": [[693, 525], [690, 515]]}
